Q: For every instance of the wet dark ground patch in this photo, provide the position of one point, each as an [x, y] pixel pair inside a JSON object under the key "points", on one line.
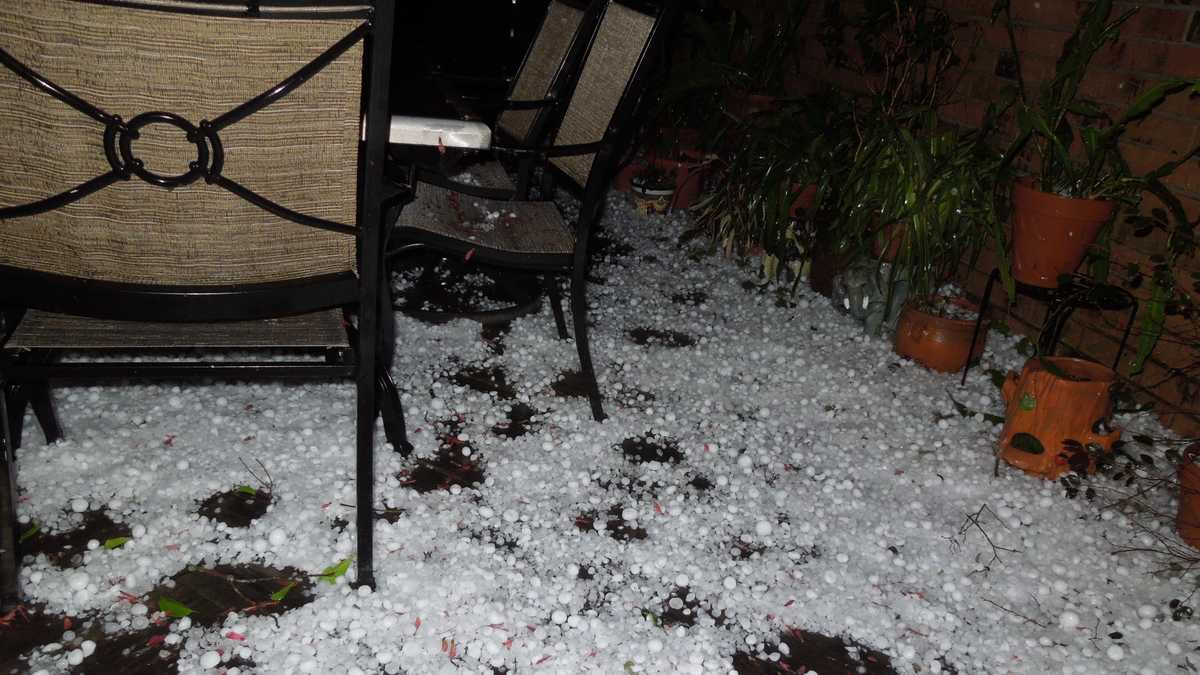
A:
{"points": [[701, 483], [520, 421], [493, 333], [654, 337], [237, 507], [445, 288], [141, 652], [23, 629], [571, 384], [615, 526], [485, 379], [449, 466], [683, 608], [212, 593], [693, 298], [498, 539], [650, 448], [808, 651], [65, 548]]}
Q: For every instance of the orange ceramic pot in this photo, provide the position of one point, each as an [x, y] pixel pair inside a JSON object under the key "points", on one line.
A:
{"points": [[1053, 410], [1051, 234], [938, 343], [1187, 519], [688, 173]]}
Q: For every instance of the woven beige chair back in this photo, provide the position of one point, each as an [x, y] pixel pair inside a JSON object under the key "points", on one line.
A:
{"points": [[300, 152], [609, 65], [542, 63]]}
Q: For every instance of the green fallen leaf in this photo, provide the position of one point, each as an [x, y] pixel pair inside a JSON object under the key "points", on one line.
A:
{"points": [[115, 542], [997, 376], [629, 667], [280, 594], [331, 574], [29, 534], [174, 608], [247, 490]]}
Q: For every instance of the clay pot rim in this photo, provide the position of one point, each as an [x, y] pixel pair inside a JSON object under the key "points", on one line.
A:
{"points": [[1024, 189], [1100, 373], [957, 300]]}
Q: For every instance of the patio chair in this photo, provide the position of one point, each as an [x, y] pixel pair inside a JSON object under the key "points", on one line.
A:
{"points": [[523, 116], [193, 175], [489, 226]]}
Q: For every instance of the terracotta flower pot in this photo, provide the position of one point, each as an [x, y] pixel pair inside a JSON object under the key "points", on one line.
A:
{"points": [[1045, 410], [938, 343], [1187, 519], [688, 173], [1051, 234]]}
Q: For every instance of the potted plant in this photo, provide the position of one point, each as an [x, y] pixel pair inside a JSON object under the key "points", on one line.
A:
{"points": [[653, 190], [1078, 177], [1056, 416], [924, 192], [768, 189]]}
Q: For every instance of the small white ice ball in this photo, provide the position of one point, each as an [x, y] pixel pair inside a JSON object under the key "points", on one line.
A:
{"points": [[559, 617], [762, 528], [79, 505], [1115, 652], [1068, 620], [78, 581], [277, 537], [655, 645], [629, 514], [210, 660], [1147, 611], [729, 583]]}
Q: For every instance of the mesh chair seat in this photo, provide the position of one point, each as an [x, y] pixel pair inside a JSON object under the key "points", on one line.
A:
{"points": [[488, 174], [46, 330], [494, 228]]}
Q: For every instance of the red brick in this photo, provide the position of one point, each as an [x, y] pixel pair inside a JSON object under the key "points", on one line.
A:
{"points": [[1158, 23], [1163, 132], [1109, 86], [1148, 57], [1062, 14], [1183, 60]]}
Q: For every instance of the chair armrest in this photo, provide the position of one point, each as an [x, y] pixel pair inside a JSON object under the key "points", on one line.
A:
{"points": [[445, 133], [466, 188], [550, 150]]}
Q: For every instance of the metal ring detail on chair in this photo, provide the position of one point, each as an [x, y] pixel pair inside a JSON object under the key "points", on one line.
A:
{"points": [[125, 135]]}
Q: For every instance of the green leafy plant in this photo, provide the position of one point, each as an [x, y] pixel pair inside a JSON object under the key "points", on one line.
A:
{"points": [[1074, 148], [282, 593], [115, 542], [928, 190]]}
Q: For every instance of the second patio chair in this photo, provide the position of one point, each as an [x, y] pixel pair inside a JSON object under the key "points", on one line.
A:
{"points": [[488, 226]]}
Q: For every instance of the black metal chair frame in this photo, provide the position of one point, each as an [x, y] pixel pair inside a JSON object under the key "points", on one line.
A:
{"points": [[607, 153], [24, 379], [1061, 302], [550, 109]]}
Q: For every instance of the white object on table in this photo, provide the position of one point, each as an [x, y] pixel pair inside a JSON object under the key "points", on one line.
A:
{"points": [[448, 133]]}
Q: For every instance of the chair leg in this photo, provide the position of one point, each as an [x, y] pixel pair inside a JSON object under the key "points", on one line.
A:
{"points": [[392, 413], [10, 561], [560, 320], [43, 410], [579, 317], [367, 387], [15, 413]]}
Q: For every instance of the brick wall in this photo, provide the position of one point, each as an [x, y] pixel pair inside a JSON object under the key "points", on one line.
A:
{"points": [[1160, 41]]}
